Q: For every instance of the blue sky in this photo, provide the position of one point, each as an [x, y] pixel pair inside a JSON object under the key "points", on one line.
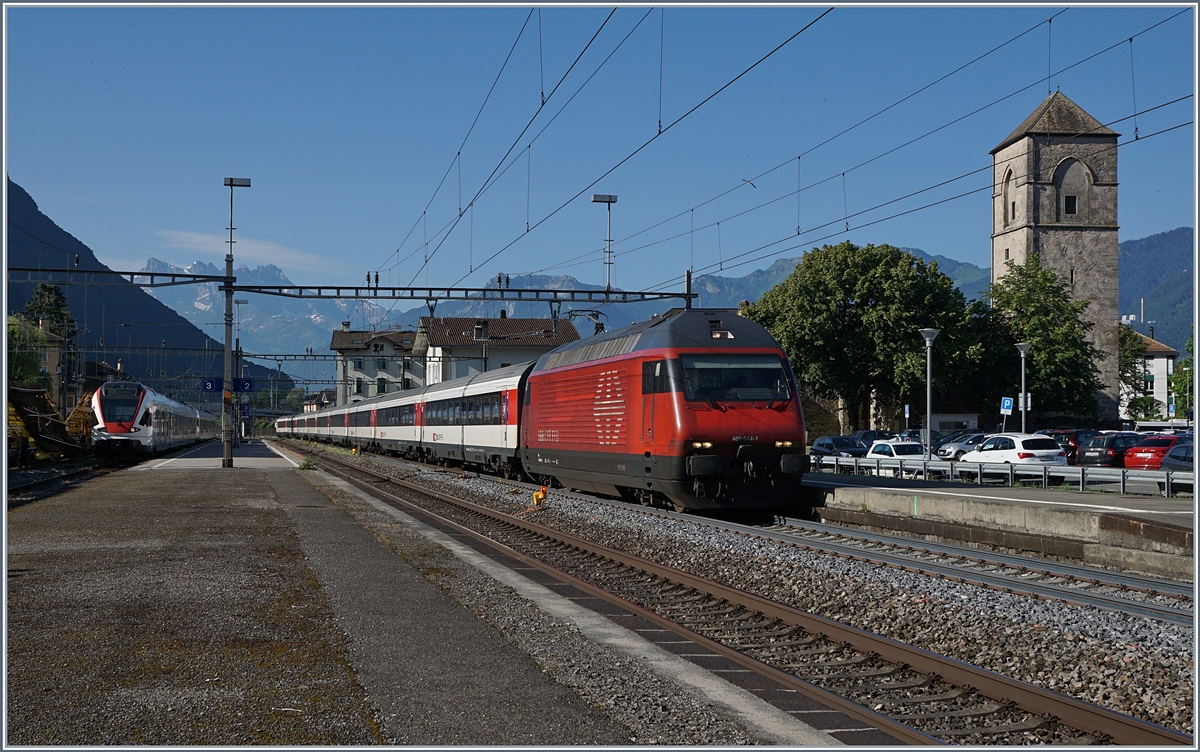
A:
{"points": [[123, 122]]}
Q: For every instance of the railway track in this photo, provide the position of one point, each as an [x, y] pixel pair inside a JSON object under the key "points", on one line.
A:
{"points": [[1090, 587], [915, 695], [18, 492], [1132, 594]]}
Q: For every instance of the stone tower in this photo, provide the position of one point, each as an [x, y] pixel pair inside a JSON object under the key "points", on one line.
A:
{"points": [[1054, 191]]}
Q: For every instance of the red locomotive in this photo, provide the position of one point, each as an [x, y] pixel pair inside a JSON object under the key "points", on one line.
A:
{"points": [[696, 409]]}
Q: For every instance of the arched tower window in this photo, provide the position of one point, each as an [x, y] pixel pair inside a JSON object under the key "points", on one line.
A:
{"points": [[1006, 197], [1073, 188]]}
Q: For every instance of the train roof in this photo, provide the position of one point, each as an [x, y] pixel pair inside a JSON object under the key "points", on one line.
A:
{"points": [[706, 328], [428, 392]]}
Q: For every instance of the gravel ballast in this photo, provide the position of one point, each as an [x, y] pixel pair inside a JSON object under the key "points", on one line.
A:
{"points": [[1133, 665]]}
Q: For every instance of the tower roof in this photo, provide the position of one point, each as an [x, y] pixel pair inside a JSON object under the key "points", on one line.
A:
{"points": [[1057, 116]]}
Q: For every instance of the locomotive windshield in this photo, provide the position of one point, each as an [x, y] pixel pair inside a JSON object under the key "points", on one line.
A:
{"points": [[733, 378], [118, 405]]}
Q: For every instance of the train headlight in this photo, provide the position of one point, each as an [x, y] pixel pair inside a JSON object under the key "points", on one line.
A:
{"points": [[781, 444], [701, 444]]}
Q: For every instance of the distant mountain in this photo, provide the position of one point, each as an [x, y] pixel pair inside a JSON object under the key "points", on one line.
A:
{"points": [[269, 323], [1158, 270], [117, 321]]}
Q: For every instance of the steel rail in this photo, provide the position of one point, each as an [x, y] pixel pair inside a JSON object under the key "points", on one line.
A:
{"points": [[1094, 720], [1058, 569], [899, 730], [998, 582]]}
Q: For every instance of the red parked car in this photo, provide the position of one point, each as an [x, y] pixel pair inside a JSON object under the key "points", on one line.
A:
{"points": [[1148, 455]]}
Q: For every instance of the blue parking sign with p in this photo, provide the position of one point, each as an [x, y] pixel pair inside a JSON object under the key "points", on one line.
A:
{"points": [[1006, 405]]}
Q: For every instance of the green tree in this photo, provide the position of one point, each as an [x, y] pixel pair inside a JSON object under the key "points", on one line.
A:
{"points": [[1144, 407], [1131, 361], [48, 302], [1035, 306], [848, 318], [26, 343], [1183, 381]]}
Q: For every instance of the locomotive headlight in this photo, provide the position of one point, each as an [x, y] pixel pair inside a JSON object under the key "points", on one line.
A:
{"points": [[783, 443], [701, 445]]}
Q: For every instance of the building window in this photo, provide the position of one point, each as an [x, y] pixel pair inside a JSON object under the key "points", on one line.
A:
{"points": [[358, 364], [381, 365], [1070, 204], [356, 341], [1006, 254], [381, 385], [1072, 276], [358, 386]]}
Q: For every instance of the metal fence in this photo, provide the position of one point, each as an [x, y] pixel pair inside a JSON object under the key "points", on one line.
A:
{"points": [[1075, 477]]}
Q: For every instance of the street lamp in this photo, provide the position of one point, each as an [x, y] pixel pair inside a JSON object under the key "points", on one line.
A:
{"points": [[606, 198], [928, 334], [227, 285], [1023, 347]]}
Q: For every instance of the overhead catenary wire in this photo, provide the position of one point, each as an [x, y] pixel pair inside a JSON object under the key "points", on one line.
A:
{"points": [[516, 141], [1015, 157], [458, 154], [989, 187], [835, 175], [678, 120], [865, 120]]}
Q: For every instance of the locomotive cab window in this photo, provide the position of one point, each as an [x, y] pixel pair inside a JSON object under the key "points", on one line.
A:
{"points": [[660, 376], [733, 378]]}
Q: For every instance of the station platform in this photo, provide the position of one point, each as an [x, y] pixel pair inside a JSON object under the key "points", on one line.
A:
{"points": [[181, 603], [1145, 534]]}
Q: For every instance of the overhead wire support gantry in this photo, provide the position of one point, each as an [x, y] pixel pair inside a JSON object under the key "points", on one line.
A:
{"points": [[425, 294], [109, 277], [461, 293]]}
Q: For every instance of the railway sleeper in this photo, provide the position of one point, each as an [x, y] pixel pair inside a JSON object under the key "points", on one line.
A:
{"points": [[987, 708], [1030, 724], [849, 675], [944, 696]]}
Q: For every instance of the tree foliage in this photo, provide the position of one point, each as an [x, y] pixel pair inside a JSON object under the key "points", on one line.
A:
{"points": [[48, 302], [1033, 303], [849, 316], [26, 343], [1183, 380], [1144, 407], [1131, 356]]}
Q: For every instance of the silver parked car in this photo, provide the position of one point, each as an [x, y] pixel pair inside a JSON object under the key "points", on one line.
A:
{"points": [[953, 450]]}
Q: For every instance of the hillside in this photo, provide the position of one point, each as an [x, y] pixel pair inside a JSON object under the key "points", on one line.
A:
{"points": [[1158, 270], [118, 321]]}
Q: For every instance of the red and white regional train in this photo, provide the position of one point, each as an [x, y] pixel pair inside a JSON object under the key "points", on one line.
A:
{"points": [[695, 409], [132, 419]]}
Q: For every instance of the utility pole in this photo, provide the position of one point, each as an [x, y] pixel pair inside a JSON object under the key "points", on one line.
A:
{"points": [[227, 286]]}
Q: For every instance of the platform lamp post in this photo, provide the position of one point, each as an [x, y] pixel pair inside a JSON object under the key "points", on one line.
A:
{"points": [[227, 387], [1023, 347], [928, 334], [606, 198]]}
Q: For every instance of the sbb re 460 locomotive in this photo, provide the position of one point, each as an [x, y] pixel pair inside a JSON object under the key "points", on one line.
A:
{"points": [[694, 409]]}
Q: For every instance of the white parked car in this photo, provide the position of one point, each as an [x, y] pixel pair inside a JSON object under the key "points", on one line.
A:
{"points": [[896, 449], [1016, 449]]}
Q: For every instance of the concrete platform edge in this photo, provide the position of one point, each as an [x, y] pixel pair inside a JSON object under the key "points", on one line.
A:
{"points": [[1093, 537], [757, 714]]}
